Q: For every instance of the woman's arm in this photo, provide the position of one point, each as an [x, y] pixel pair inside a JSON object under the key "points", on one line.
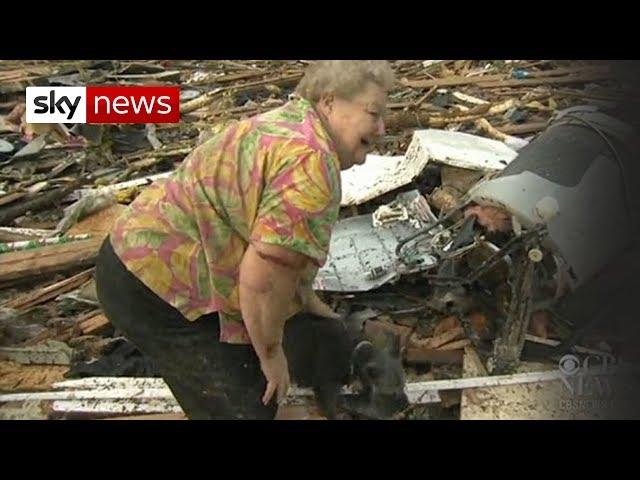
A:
{"points": [[268, 278]]}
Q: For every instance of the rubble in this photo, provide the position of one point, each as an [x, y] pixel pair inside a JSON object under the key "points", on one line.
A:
{"points": [[378, 175], [461, 150], [49, 352], [435, 246], [362, 256]]}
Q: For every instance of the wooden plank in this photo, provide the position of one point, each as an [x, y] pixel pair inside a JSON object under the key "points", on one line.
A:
{"points": [[137, 182], [500, 79], [93, 325], [523, 128], [117, 407], [153, 416], [490, 381], [105, 394], [419, 355], [143, 411], [116, 387], [452, 81], [527, 401], [446, 337], [52, 353], [40, 202], [457, 345], [29, 233], [533, 82], [209, 97], [67, 333], [18, 377], [89, 383], [11, 197], [47, 293], [48, 259], [555, 343]]}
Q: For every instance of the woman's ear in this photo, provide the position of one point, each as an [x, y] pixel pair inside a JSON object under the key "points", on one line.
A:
{"points": [[325, 105]]}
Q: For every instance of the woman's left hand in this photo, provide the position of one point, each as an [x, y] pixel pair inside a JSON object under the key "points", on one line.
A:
{"points": [[311, 303]]}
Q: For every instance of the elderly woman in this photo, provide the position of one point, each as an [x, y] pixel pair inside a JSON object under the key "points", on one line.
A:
{"points": [[204, 268]]}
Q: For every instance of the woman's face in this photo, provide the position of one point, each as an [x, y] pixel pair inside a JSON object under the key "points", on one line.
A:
{"points": [[356, 125]]}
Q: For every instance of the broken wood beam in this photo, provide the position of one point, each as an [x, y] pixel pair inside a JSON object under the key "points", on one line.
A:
{"points": [[153, 416], [557, 76], [94, 324], [49, 353], [490, 381], [10, 234], [11, 197], [457, 345], [67, 333], [115, 387], [250, 87], [446, 337], [41, 202], [508, 344], [605, 95], [523, 128], [452, 81], [533, 82], [136, 182], [420, 355], [554, 343], [426, 119], [48, 259], [117, 407], [47, 293]]}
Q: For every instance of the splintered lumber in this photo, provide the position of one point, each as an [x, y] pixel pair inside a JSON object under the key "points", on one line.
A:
{"points": [[557, 76], [17, 377], [523, 128], [532, 82], [446, 337], [17, 234], [432, 355], [151, 416], [457, 345], [47, 293], [118, 407], [48, 353], [11, 197], [93, 325], [426, 119], [48, 259], [249, 87], [137, 182], [452, 81], [41, 202], [555, 343], [86, 320], [142, 390]]}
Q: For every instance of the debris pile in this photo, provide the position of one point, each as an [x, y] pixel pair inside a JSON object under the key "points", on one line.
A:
{"points": [[454, 239]]}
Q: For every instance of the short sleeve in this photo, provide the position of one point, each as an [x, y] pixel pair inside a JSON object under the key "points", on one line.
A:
{"points": [[300, 206]]}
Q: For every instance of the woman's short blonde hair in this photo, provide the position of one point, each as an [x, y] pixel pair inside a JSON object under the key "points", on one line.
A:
{"points": [[343, 78]]}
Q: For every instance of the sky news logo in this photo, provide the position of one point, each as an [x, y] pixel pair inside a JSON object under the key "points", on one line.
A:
{"points": [[101, 104]]}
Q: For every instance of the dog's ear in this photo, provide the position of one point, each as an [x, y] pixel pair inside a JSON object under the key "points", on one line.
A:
{"points": [[363, 353]]}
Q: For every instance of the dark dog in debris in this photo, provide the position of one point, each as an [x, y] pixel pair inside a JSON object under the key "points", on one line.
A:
{"points": [[328, 354]]}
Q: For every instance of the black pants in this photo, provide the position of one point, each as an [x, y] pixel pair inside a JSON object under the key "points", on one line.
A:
{"points": [[210, 379]]}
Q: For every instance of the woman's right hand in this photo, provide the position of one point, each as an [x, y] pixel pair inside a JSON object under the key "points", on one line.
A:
{"points": [[276, 371]]}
